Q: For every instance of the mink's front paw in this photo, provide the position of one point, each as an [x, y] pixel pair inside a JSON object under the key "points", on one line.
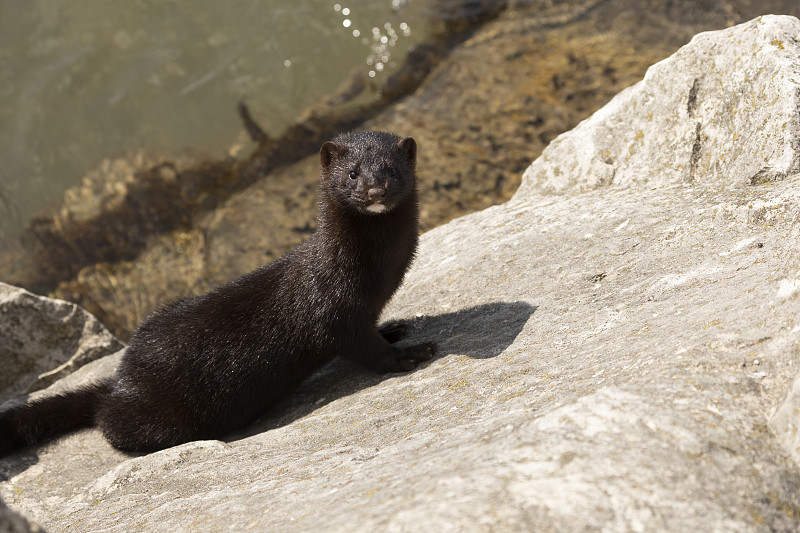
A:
{"points": [[414, 355], [422, 352]]}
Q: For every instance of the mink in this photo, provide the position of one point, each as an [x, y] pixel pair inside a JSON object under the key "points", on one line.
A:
{"points": [[204, 366]]}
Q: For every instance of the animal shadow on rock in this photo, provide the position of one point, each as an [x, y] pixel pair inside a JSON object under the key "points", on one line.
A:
{"points": [[480, 332]]}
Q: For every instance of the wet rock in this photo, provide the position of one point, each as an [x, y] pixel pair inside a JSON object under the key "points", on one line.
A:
{"points": [[609, 359], [111, 215]]}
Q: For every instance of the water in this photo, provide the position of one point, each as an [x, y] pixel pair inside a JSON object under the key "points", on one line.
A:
{"points": [[81, 80]]}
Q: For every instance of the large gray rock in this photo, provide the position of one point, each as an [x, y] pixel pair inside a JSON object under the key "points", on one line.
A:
{"points": [[42, 340], [609, 360], [725, 118]]}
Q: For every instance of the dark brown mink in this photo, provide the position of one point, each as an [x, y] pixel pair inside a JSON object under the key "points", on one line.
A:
{"points": [[204, 366]]}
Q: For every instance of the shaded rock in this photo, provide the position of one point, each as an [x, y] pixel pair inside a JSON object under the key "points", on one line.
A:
{"points": [[609, 361], [11, 522], [42, 340]]}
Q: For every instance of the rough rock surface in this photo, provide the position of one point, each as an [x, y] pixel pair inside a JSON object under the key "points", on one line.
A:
{"points": [[786, 420], [686, 123], [609, 360], [42, 340]]}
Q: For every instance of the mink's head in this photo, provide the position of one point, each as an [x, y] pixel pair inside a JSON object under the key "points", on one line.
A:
{"points": [[369, 172]]}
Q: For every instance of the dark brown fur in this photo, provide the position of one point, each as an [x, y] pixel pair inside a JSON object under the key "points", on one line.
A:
{"points": [[204, 366]]}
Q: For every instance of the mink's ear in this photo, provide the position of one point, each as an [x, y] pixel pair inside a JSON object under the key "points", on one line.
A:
{"points": [[408, 147], [330, 152]]}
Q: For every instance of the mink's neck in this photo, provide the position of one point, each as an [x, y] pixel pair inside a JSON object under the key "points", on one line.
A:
{"points": [[367, 254], [342, 224], [375, 249]]}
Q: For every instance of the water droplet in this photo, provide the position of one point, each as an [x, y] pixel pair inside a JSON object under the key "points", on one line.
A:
{"points": [[346, 11], [346, 23], [356, 33], [337, 7], [287, 63]]}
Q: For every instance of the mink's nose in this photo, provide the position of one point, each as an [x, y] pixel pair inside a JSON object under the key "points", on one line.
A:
{"points": [[376, 193]]}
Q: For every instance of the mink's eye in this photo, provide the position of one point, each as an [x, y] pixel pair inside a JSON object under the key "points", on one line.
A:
{"points": [[353, 174], [391, 172]]}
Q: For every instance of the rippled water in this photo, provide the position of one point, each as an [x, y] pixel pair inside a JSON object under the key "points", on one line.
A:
{"points": [[85, 79]]}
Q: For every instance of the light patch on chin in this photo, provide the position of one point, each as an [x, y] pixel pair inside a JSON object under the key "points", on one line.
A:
{"points": [[377, 208]]}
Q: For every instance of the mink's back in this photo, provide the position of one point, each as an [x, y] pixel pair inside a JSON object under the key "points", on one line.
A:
{"points": [[200, 367]]}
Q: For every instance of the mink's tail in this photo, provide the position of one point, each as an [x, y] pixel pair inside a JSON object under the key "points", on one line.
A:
{"points": [[40, 420]]}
